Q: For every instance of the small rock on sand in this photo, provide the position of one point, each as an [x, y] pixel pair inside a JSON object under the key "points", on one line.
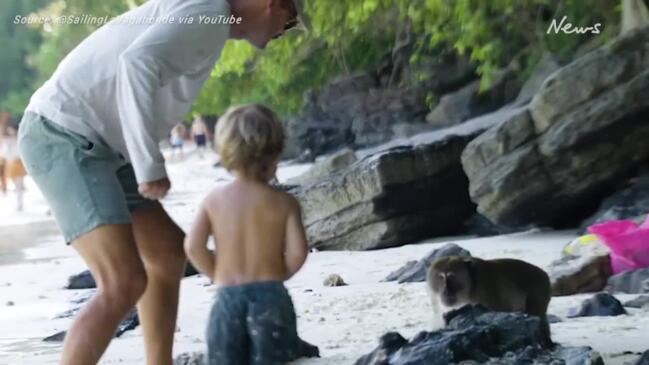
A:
{"points": [[601, 304], [334, 280]]}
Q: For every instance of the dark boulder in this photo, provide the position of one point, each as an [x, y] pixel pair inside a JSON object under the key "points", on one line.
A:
{"points": [[602, 304], [83, 280], [474, 335], [415, 271]]}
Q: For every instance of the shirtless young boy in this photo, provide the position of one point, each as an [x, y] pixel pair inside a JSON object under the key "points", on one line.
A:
{"points": [[260, 243]]}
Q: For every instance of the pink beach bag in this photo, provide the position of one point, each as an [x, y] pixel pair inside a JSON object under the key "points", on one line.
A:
{"points": [[628, 242]]}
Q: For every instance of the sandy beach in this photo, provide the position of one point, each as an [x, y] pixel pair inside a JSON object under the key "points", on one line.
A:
{"points": [[345, 322]]}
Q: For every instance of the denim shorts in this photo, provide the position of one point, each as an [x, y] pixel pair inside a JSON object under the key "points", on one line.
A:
{"points": [[86, 184], [254, 324]]}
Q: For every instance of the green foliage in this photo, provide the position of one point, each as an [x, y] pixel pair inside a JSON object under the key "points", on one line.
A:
{"points": [[16, 43], [347, 36]]}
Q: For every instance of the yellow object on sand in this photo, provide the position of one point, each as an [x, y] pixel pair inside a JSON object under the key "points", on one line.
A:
{"points": [[584, 242]]}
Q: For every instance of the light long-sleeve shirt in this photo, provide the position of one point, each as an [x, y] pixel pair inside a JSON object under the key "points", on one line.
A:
{"points": [[133, 79]]}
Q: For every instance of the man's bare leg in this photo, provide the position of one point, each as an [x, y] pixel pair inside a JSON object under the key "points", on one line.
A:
{"points": [[111, 254], [160, 243]]}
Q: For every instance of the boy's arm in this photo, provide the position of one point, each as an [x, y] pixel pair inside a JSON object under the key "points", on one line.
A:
{"points": [[196, 244], [296, 244]]}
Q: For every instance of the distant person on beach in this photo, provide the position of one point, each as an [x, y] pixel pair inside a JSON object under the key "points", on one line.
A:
{"points": [[14, 170], [199, 134], [4, 119], [90, 140], [260, 243], [177, 139], [3, 166]]}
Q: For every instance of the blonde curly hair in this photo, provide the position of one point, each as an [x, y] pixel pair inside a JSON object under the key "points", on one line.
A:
{"points": [[249, 138]]}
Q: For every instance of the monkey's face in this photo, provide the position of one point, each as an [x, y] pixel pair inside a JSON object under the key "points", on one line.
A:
{"points": [[451, 280]]}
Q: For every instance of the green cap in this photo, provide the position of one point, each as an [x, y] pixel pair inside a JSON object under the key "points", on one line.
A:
{"points": [[302, 18]]}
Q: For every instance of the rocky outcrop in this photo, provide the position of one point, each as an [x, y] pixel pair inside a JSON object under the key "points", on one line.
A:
{"points": [[630, 282], [415, 271], [630, 202], [396, 193], [584, 131], [601, 304], [352, 111], [469, 101], [477, 336], [579, 274], [546, 66], [368, 108], [326, 166]]}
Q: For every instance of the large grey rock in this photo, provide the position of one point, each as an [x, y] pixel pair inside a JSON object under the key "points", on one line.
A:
{"points": [[631, 202], [474, 336], [630, 282], [415, 271], [396, 193], [547, 65], [327, 165], [579, 274], [584, 132]]}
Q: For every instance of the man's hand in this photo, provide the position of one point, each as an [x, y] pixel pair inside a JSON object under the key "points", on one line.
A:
{"points": [[155, 189]]}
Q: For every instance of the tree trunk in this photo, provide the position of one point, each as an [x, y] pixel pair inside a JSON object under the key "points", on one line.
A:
{"points": [[634, 15]]}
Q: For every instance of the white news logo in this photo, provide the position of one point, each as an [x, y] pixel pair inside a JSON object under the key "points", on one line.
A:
{"points": [[569, 28]]}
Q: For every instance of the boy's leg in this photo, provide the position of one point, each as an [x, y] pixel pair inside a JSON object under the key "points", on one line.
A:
{"points": [[111, 254], [272, 326], [227, 337], [160, 244]]}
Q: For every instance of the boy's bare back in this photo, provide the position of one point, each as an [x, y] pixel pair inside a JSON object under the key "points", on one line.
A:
{"points": [[258, 233]]}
